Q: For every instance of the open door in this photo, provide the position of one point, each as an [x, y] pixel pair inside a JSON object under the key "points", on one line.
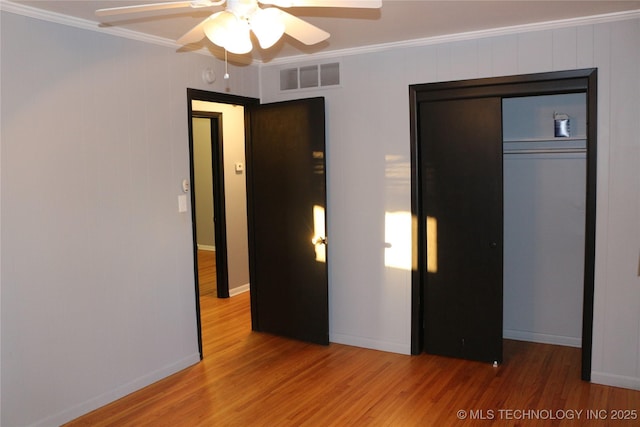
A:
{"points": [[461, 160], [286, 207]]}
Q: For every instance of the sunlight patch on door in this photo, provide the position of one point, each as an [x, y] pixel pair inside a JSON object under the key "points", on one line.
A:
{"points": [[432, 245], [397, 236], [319, 239]]}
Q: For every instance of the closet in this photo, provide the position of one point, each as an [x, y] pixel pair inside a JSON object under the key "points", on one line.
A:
{"points": [[544, 179], [503, 192]]}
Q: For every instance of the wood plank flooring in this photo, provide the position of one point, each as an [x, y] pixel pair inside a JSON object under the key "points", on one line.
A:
{"points": [[254, 379], [207, 272]]}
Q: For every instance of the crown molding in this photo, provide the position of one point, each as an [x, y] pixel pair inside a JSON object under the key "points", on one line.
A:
{"points": [[20, 9], [471, 35], [85, 24]]}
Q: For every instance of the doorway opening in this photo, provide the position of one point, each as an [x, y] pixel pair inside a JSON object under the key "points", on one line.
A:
{"points": [[220, 189], [452, 101], [284, 196], [544, 217], [207, 169]]}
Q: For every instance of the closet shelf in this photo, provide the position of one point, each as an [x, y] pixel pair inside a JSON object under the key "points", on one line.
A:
{"points": [[551, 139], [547, 151]]}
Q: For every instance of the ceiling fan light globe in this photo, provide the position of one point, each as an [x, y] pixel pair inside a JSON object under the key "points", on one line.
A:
{"points": [[238, 39], [268, 27], [217, 28]]}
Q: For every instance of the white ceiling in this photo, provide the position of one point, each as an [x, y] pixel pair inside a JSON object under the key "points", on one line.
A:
{"points": [[396, 21]]}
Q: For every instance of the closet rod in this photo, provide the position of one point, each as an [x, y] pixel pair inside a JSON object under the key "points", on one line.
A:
{"points": [[547, 151]]}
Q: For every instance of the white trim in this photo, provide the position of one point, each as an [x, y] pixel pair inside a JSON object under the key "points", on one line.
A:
{"points": [[615, 380], [471, 35], [542, 338], [239, 290], [115, 394], [372, 344], [85, 24], [20, 9], [206, 248]]}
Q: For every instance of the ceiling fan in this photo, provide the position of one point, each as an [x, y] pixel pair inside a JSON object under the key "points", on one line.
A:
{"points": [[230, 28]]}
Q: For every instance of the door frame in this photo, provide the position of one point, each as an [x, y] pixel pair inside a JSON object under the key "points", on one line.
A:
{"points": [[219, 203], [220, 222], [559, 82]]}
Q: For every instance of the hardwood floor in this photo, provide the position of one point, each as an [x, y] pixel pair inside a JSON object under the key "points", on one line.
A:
{"points": [[207, 272], [254, 379]]}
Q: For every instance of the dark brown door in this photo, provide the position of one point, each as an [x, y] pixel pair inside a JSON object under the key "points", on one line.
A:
{"points": [[287, 203], [461, 161]]}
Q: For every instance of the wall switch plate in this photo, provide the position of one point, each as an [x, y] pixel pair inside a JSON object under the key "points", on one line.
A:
{"points": [[182, 203]]}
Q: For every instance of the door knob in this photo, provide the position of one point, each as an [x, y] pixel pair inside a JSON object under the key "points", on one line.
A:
{"points": [[322, 240]]}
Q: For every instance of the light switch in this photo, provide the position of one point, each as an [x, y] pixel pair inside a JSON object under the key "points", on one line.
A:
{"points": [[182, 203]]}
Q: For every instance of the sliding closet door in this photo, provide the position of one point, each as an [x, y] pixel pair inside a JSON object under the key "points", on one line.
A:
{"points": [[461, 162]]}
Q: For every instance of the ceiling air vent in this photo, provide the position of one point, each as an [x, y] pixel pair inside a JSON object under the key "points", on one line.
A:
{"points": [[310, 76]]}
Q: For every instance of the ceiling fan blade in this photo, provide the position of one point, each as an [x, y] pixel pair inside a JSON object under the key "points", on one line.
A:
{"points": [[302, 30], [365, 4], [196, 34], [142, 8]]}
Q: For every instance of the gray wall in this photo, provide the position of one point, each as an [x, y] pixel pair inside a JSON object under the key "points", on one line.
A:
{"points": [[96, 273], [368, 162], [203, 185], [97, 263]]}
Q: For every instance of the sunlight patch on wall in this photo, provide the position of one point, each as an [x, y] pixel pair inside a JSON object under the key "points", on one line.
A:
{"points": [[397, 235]]}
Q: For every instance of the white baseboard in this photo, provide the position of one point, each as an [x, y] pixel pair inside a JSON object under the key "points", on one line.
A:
{"points": [[239, 289], [542, 338], [370, 343], [615, 380], [115, 394], [206, 248]]}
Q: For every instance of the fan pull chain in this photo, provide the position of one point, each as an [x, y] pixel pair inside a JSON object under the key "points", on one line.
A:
{"points": [[226, 72]]}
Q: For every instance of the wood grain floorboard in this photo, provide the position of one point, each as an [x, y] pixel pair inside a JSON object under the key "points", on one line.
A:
{"points": [[207, 272], [255, 379]]}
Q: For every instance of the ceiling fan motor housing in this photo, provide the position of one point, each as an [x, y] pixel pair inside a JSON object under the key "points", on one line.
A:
{"points": [[242, 8]]}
